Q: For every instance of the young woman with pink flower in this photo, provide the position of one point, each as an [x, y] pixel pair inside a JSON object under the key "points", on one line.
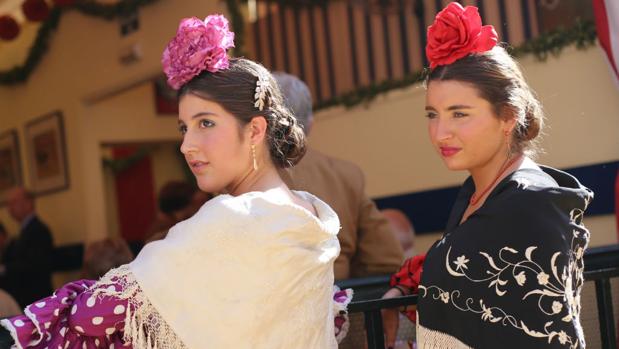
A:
{"points": [[507, 273], [253, 268]]}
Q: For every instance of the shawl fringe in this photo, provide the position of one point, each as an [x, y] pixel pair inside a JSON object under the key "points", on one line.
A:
{"points": [[144, 327]]}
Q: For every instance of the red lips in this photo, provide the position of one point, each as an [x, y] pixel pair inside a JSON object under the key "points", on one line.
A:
{"points": [[449, 151], [197, 165]]}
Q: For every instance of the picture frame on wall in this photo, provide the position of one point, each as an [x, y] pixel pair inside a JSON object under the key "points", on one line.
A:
{"points": [[10, 164], [46, 154]]}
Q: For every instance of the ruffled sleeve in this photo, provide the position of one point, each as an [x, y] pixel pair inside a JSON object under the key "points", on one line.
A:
{"points": [[73, 317]]}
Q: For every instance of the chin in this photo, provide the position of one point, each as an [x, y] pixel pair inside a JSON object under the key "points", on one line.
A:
{"points": [[454, 165], [208, 186]]}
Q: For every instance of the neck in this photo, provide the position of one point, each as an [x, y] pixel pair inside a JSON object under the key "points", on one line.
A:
{"points": [[490, 173], [263, 179]]}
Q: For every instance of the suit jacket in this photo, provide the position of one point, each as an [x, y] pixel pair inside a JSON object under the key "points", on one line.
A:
{"points": [[368, 245], [28, 262]]}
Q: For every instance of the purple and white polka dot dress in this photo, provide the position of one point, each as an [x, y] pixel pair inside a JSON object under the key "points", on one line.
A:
{"points": [[71, 318]]}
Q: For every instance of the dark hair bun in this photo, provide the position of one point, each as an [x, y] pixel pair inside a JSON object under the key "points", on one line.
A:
{"points": [[287, 142], [533, 121]]}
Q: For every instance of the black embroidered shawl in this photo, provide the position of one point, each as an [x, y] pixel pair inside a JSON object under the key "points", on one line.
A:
{"points": [[510, 275]]}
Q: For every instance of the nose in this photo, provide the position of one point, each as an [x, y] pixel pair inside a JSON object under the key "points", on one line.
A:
{"points": [[443, 130], [188, 146]]}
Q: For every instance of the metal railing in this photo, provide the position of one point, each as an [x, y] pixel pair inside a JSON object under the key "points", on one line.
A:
{"points": [[601, 265]]}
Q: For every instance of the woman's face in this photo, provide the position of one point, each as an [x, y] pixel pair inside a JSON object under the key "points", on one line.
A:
{"points": [[214, 149], [463, 127]]}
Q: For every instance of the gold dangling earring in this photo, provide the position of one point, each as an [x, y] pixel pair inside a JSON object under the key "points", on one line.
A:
{"points": [[253, 154], [507, 143]]}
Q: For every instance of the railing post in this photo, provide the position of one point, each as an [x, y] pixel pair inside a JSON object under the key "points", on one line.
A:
{"points": [[605, 313], [374, 329]]}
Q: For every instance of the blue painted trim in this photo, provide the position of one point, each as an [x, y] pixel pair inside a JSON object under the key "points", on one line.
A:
{"points": [[429, 209]]}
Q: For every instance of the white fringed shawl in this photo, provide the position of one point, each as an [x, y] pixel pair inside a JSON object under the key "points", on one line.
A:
{"points": [[245, 272]]}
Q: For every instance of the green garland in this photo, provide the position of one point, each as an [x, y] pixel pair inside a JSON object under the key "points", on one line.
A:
{"points": [[120, 165], [582, 34], [40, 46]]}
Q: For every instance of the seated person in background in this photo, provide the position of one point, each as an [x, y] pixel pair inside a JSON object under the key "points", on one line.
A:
{"points": [[26, 263], [177, 201], [403, 230], [103, 255], [368, 245]]}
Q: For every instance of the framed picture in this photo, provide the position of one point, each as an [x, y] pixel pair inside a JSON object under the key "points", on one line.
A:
{"points": [[46, 154], [10, 165]]}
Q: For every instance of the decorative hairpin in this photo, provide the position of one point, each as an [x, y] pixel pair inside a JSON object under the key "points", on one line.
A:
{"points": [[261, 92], [198, 45]]}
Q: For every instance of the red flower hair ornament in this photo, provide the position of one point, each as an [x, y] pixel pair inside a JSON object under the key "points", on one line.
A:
{"points": [[456, 33]]}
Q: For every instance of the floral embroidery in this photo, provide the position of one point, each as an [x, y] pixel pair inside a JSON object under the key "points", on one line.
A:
{"points": [[521, 278], [461, 263], [557, 293]]}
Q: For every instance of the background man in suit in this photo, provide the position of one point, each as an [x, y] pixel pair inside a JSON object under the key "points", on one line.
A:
{"points": [[27, 263], [368, 245]]}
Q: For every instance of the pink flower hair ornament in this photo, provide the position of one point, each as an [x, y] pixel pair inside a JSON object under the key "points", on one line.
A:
{"points": [[198, 46], [456, 33]]}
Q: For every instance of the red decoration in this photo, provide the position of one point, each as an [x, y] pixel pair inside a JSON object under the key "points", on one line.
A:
{"points": [[9, 29], [135, 195], [409, 277], [63, 3], [35, 10], [457, 32]]}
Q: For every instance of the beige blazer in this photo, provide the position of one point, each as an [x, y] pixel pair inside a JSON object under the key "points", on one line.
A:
{"points": [[368, 245]]}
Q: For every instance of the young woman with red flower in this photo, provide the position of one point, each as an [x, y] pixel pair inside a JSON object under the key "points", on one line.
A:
{"points": [[508, 271]]}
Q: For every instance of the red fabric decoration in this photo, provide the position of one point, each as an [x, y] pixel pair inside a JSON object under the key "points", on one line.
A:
{"points": [[62, 3], [135, 195], [35, 10], [409, 277], [9, 29], [457, 32]]}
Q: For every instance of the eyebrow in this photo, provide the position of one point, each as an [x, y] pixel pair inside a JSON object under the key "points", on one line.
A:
{"points": [[197, 115], [453, 107], [203, 113]]}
